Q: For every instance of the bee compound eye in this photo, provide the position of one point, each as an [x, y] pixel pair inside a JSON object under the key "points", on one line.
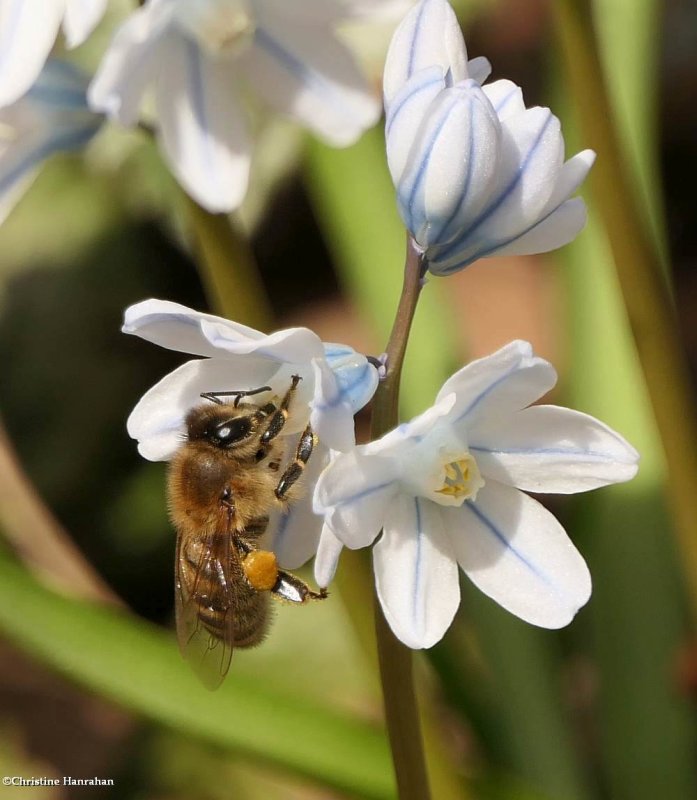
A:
{"points": [[232, 430]]}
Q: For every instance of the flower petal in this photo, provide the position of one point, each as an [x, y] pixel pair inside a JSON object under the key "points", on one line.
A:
{"points": [[354, 493], [333, 11], [561, 219], [290, 345], [517, 553], [356, 377], [61, 86], [157, 421], [532, 158], [428, 36], [202, 126], [51, 117], [130, 63], [506, 98], [177, 327], [448, 179], [81, 18], [406, 115], [571, 176], [493, 387], [19, 163], [344, 383], [305, 72], [532, 152], [294, 533], [552, 449], [398, 441], [331, 416], [28, 29], [416, 573], [479, 69], [327, 558], [559, 228]]}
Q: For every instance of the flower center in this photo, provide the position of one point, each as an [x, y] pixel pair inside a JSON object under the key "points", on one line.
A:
{"points": [[222, 27], [462, 478], [442, 469]]}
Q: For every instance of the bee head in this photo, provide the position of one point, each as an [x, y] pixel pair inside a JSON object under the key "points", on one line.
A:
{"points": [[223, 426]]}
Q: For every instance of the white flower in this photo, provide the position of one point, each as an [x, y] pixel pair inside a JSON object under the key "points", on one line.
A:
{"points": [[198, 56], [476, 173], [28, 29], [336, 383], [445, 490], [51, 117]]}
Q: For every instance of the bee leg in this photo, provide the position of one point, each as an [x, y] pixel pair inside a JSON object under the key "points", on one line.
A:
{"points": [[260, 569], [294, 470], [278, 419], [293, 590]]}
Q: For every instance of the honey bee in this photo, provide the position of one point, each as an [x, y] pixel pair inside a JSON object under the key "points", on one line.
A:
{"points": [[222, 485]]}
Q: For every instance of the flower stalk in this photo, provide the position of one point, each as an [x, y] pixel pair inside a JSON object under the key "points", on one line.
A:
{"points": [[227, 269], [650, 310], [38, 538], [386, 400], [395, 659]]}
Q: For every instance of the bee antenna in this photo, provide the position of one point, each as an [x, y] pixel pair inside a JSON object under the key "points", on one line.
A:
{"points": [[238, 394]]}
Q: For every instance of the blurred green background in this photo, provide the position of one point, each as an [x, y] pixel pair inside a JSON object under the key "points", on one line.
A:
{"points": [[602, 710]]}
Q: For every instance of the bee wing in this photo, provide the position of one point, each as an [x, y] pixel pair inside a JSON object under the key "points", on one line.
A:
{"points": [[210, 594]]}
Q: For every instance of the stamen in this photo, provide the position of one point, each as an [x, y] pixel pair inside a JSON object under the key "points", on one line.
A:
{"points": [[462, 479]]}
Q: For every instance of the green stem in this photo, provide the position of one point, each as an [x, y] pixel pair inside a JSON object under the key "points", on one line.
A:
{"points": [[649, 306], [396, 668], [38, 537], [228, 270]]}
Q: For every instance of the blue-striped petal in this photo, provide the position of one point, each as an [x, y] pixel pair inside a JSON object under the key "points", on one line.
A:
{"points": [[496, 386], [51, 117], [551, 449], [18, 167], [449, 175], [518, 554], [406, 115], [558, 228], [354, 494], [304, 71], [202, 126], [132, 62], [338, 395], [531, 160], [428, 36], [416, 573], [356, 378]]}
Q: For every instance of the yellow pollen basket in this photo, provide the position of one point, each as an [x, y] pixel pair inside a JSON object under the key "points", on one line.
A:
{"points": [[462, 478]]}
